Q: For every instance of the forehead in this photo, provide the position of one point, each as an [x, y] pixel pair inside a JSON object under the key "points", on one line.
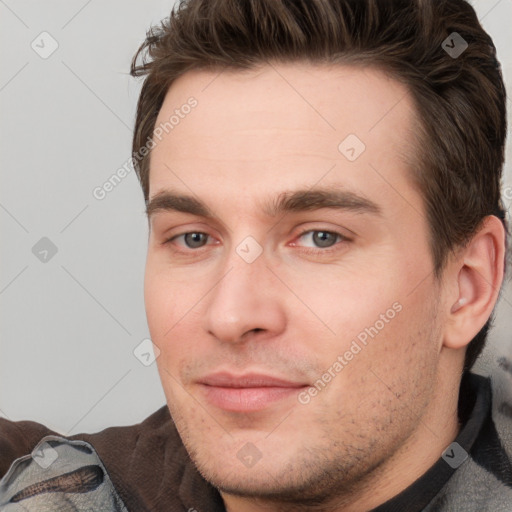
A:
{"points": [[283, 124], [324, 97]]}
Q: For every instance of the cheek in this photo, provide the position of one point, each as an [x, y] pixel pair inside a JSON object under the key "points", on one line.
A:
{"points": [[166, 298], [163, 319], [382, 325], [156, 299], [353, 302], [171, 318]]}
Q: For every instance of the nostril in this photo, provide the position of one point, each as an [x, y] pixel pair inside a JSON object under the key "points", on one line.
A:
{"points": [[252, 331]]}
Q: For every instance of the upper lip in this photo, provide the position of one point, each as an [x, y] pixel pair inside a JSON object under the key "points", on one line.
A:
{"points": [[247, 380]]}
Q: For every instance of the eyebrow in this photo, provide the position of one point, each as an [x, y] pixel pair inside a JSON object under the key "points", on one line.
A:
{"points": [[285, 202]]}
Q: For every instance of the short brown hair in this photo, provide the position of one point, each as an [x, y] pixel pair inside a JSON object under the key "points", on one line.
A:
{"points": [[461, 101]]}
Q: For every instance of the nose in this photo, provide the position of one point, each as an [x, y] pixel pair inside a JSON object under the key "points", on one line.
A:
{"points": [[246, 300]]}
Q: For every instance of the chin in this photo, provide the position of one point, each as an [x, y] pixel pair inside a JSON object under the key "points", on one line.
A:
{"points": [[290, 489]]}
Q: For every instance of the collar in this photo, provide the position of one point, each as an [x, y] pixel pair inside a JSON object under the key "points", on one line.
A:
{"points": [[474, 410]]}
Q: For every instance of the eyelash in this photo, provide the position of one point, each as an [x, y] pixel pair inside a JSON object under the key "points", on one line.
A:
{"points": [[324, 250], [307, 250]]}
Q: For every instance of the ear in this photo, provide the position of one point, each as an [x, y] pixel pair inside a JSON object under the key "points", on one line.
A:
{"points": [[478, 272]]}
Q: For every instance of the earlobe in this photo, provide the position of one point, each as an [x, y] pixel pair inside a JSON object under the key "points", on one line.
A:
{"points": [[480, 274]]}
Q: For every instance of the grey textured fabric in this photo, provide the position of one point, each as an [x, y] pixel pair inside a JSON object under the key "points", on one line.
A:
{"points": [[59, 475], [472, 489]]}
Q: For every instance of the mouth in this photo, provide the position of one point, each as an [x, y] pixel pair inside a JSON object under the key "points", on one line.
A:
{"points": [[247, 393]]}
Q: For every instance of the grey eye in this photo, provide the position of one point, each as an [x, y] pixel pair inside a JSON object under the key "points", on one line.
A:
{"points": [[324, 238], [195, 240]]}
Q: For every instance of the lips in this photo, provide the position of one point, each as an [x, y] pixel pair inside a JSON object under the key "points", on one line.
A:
{"points": [[247, 393], [250, 380]]}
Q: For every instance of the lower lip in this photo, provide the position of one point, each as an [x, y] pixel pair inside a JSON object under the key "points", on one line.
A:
{"points": [[247, 399]]}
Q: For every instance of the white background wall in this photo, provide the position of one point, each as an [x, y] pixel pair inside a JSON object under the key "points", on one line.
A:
{"points": [[69, 325]]}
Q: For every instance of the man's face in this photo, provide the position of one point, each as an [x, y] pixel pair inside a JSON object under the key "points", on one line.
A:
{"points": [[299, 346]]}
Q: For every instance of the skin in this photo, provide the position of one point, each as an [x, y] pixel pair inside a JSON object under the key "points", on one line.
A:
{"points": [[386, 417]]}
